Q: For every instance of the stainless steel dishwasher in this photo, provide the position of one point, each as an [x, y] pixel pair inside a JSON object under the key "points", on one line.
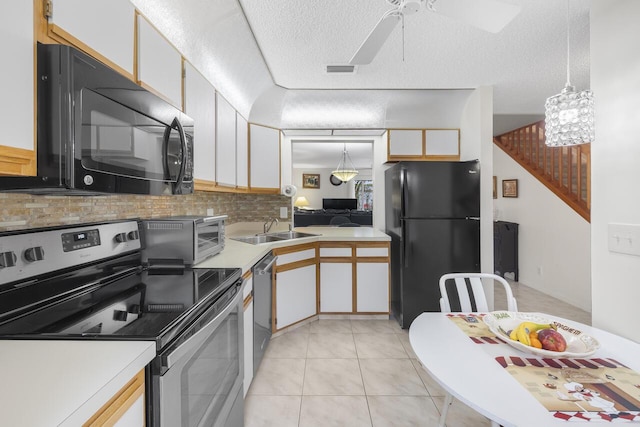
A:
{"points": [[262, 295]]}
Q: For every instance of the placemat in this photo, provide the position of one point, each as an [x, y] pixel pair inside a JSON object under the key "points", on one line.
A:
{"points": [[598, 390], [474, 327]]}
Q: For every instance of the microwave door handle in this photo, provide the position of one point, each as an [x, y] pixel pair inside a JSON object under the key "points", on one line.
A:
{"points": [[183, 161]]}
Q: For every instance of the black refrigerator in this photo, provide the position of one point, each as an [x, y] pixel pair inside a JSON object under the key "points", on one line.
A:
{"points": [[432, 213]]}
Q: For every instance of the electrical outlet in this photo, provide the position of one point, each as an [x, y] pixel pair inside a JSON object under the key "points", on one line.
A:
{"points": [[209, 211], [284, 212]]}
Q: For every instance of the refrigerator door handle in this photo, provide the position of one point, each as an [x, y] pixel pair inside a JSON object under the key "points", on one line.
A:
{"points": [[405, 246], [473, 218], [404, 197]]}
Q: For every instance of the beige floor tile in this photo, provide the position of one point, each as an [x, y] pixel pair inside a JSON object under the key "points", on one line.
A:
{"points": [[460, 415], [288, 346], [391, 377], [433, 388], [371, 326], [406, 344], [402, 411], [333, 377], [379, 345], [334, 411], [331, 346], [272, 411], [279, 377], [304, 328], [330, 326]]}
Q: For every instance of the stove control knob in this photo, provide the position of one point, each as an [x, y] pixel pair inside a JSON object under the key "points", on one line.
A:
{"points": [[133, 235], [34, 254], [121, 237], [7, 259]]}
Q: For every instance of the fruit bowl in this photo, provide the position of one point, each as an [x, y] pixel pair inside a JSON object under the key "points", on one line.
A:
{"points": [[578, 343]]}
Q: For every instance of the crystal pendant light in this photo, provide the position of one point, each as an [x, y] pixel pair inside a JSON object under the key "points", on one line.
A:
{"points": [[569, 116], [345, 172]]}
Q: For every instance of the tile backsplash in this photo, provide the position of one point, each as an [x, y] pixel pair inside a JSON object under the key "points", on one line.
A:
{"points": [[20, 211]]}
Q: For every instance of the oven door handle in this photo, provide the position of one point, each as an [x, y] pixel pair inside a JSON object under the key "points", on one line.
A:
{"points": [[199, 337]]}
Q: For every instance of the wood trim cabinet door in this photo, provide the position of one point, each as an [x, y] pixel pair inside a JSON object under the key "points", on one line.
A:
{"points": [[423, 144], [264, 159], [126, 408], [104, 29], [17, 109], [242, 152], [159, 64], [225, 143], [336, 287], [296, 296], [372, 287], [200, 105]]}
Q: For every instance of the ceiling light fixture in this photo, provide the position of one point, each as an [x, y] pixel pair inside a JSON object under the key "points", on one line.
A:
{"points": [[345, 171], [569, 116]]}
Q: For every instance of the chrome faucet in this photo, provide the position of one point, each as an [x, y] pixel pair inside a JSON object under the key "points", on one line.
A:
{"points": [[267, 225]]}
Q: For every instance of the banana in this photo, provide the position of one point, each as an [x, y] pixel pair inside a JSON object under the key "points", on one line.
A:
{"points": [[523, 334], [536, 326], [514, 333]]}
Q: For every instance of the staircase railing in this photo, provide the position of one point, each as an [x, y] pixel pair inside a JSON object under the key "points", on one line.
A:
{"points": [[564, 170]]}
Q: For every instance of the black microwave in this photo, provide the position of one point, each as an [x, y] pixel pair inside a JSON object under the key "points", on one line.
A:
{"points": [[98, 132]]}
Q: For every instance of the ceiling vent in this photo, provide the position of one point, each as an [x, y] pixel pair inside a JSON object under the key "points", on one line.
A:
{"points": [[341, 69]]}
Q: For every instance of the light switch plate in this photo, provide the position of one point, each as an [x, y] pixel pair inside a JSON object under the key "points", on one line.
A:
{"points": [[284, 212], [624, 238]]}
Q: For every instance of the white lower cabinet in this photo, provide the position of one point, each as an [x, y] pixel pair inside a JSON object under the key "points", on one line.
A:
{"points": [[295, 295], [125, 409], [336, 289], [372, 283]]}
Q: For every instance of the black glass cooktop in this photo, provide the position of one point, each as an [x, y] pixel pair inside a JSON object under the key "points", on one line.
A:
{"points": [[112, 300]]}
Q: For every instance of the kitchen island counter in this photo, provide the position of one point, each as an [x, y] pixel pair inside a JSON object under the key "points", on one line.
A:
{"points": [[244, 255], [64, 383]]}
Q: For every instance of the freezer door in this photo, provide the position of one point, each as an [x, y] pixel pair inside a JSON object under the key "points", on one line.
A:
{"points": [[431, 248], [440, 189]]}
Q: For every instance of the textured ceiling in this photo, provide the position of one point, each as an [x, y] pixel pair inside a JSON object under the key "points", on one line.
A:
{"points": [[272, 54]]}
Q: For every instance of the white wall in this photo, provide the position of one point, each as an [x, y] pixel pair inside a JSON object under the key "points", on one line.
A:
{"points": [[326, 190], [615, 67], [554, 241], [476, 140]]}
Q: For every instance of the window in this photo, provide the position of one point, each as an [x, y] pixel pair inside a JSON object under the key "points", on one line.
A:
{"points": [[364, 194]]}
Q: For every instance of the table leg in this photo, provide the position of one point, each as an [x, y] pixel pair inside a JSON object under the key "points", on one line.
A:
{"points": [[445, 408]]}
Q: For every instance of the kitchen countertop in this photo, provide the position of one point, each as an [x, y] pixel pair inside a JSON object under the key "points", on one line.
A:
{"points": [[63, 383], [244, 255]]}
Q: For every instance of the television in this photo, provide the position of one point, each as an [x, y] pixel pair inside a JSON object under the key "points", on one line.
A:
{"points": [[339, 204]]}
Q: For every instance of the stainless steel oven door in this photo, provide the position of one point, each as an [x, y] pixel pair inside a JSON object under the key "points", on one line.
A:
{"points": [[204, 374]]}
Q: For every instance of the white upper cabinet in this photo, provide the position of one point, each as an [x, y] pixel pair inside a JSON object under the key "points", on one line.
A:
{"points": [[104, 26], [405, 142], [17, 82], [159, 63], [200, 105], [264, 146], [225, 142], [242, 152], [442, 142]]}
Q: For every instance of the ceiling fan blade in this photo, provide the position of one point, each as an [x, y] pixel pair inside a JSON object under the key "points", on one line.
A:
{"points": [[488, 15], [376, 38]]}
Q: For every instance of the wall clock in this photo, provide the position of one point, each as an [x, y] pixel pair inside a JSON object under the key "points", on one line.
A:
{"points": [[335, 180]]}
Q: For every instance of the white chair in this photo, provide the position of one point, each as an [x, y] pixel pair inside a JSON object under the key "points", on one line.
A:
{"points": [[474, 281], [479, 304]]}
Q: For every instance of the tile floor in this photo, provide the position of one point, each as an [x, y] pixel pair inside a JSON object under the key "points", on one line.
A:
{"points": [[353, 373]]}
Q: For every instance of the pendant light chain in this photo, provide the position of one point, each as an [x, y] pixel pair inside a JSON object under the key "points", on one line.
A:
{"points": [[568, 47]]}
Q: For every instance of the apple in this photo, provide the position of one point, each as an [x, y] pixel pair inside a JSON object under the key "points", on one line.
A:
{"points": [[552, 340]]}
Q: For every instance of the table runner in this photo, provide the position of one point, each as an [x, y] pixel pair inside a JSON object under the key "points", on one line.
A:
{"points": [[598, 389], [474, 327]]}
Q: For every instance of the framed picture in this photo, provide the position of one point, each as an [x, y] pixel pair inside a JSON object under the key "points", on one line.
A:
{"points": [[495, 187], [509, 188], [310, 180]]}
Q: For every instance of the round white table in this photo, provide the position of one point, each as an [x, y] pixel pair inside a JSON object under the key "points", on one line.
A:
{"points": [[470, 373]]}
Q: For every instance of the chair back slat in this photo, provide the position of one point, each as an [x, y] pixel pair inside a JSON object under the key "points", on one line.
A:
{"points": [[478, 294], [463, 294], [471, 295]]}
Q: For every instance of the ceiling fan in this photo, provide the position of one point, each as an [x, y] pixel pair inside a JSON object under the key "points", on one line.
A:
{"points": [[488, 15]]}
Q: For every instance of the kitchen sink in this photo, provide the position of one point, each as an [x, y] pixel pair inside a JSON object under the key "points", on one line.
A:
{"points": [[272, 237], [286, 235]]}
